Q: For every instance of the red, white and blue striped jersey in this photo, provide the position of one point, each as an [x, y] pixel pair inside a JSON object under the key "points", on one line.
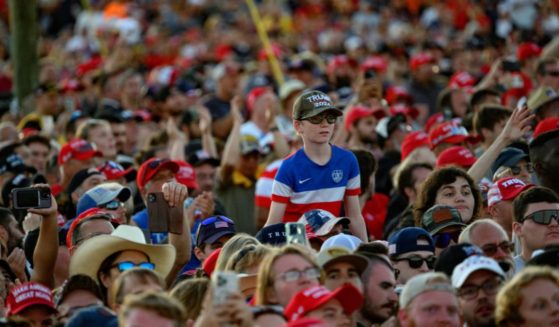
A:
{"points": [[304, 185]]}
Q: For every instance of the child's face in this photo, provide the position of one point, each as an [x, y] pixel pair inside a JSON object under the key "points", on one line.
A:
{"points": [[319, 131]]}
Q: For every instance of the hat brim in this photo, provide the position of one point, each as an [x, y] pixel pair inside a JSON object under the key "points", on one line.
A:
{"points": [[473, 268], [317, 112], [445, 225], [87, 259], [38, 302], [358, 261], [216, 236], [517, 192], [327, 228], [544, 137], [87, 155]]}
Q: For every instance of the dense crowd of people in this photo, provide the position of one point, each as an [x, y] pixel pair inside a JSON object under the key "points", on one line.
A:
{"points": [[320, 163]]}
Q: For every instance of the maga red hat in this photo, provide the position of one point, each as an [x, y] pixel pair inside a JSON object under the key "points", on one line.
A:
{"points": [[186, 175], [151, 167], [420, 59], [26, 295], [376, 63], [77, 149], [359, 111], [413, 141], [506, 189], [456, 155], [545, 130], [396, 93], [448, 132], [313, 298], [527, 50]]}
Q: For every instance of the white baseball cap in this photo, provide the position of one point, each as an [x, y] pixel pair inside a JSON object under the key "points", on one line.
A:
{"points": [[473, 264]]}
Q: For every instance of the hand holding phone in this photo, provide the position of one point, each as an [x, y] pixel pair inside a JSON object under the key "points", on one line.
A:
{"points": [[223, 285], [295, 233], [31, 198]]}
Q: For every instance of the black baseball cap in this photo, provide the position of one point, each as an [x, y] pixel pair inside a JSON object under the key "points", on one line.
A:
{"points": [[272, 234], [453, 255], [213, 228], [200, 157]]}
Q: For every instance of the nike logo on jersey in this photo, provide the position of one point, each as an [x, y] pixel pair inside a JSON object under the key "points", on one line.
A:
{"points": [[304, 180]]}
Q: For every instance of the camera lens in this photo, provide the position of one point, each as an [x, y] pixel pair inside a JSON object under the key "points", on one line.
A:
{"points": [[151, 198]]}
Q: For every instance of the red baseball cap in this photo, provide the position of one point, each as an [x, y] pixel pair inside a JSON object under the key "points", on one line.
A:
{"points": [[26, 295], [448, 132], [339, 60], [433, 120], [113, 170], [211, 261], [545, 130], [462, 80], [506, 189], [254, 94], [186, 175], [78, 149], [402, 109], [527, 50], [97, 212], [151, 167], [413, 141], [395, 94], [456, 155], [420, 59], [313, 298], [376, 63], [359, 111]]}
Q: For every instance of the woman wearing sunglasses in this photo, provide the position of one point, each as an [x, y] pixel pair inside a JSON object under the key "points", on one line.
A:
{"points": [[105, 257], [285, 272], [449, 186]]}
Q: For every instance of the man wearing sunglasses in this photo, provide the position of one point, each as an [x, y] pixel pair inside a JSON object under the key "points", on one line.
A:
{"points": [[536, 215], [493, 241], [110, 197], [477, 281], [412, 252]]}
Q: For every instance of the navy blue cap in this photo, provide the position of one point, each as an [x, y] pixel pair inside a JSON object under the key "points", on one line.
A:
{"points": [[213, 228], [405, 240], [508, 157], [272, 234], [453, 255]]}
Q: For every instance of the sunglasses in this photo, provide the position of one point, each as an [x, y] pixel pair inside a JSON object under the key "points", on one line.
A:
{"points": [[113, 205], [490, 249], [331, 119], [415, 262], [127, 265], [214, 219], [552, 73], [442, 240], [543, 217]]}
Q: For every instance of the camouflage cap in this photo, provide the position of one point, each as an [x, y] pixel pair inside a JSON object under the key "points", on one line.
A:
{"points": [[439, 217], [540, 97], [312, 103]]}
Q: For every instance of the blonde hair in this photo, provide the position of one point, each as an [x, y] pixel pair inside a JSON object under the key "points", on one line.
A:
{"points": [[265, 274], [509, 297], [247, 257], [159, 303], [191, 293], [85, 128], [233, 245]]}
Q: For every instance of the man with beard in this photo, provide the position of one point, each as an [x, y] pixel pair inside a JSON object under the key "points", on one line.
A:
{"points": [[493, 240], [380, 296], [360, 123], [477, 281], [544, 152]]}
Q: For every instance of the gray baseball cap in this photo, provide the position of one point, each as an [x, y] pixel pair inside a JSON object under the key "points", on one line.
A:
{"points": [[312, 103]]}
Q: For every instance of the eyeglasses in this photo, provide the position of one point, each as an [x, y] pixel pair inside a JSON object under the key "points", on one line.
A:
{"points": [[470, 292], [294, 275], [490, 249], [416, 261], [442, 240], [113, 205], [516, 170], [331, 119], [127, 265], [543, 217]]}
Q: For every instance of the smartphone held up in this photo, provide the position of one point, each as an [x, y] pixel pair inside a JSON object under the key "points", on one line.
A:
{"points": [[31, 198]]}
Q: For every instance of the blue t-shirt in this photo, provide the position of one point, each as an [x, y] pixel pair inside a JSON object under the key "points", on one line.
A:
{"points": [[141, 219]]}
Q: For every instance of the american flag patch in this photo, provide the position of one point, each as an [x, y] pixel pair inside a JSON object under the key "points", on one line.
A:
{"points": [[220, 224]]}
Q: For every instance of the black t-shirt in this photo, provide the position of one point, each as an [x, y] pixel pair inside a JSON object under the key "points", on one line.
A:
{"points": [[217, 107]]}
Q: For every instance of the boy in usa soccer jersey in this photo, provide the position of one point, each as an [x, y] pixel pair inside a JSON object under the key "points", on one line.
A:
{"points": [[320, 175]]}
